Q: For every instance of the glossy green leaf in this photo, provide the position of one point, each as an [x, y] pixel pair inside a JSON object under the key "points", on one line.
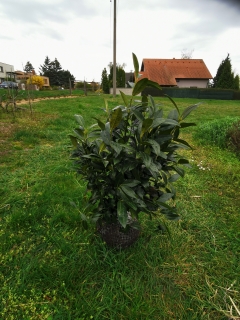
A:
{"points": [[144, 100], [131, 204], [183, 161], [140, 86], [189, 109], [106, 106], [163, 155], [100, 123], [183, 142], [136, 66], [138, 115], [145, 126], [180, 171], [105, 163], [122, 213], [152, 106], [164, 177], [185, 124], [128, 148], [159, 112], [126, 166], [131, 183], [172, 122], [116, 147], [146, 159], [173, 102], [157, 122], [174, 177], [153, 84], [173, 114], [94, 134], [102, 147], [73, 140], [128, 191], [105, 137], [79, 119], [155, 145], [124, 97], [165, 197], [115, 118], [79, 132]]}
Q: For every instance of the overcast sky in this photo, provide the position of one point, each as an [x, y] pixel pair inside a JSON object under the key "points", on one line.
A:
{"points": [[79, 33]]}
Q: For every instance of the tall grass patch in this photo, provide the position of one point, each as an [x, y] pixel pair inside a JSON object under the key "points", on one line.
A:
{"points": [[233, 137], [215, 132]]}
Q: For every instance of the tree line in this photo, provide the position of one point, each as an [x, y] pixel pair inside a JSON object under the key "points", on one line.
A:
{"points": [[54, 71], [107, 79]]}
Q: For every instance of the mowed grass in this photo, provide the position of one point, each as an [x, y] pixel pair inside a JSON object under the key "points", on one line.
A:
{"points": [[50, 268]]}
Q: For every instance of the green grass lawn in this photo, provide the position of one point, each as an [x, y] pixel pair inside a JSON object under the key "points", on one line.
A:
{"points": [[50, 268]]}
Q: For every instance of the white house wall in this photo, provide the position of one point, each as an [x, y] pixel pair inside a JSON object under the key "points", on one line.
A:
{"points": [[4, 67], [127, 91], [182, 83]]}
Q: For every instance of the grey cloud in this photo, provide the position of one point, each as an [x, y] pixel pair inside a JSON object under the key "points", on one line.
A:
{"points": [[39, 12], [225, 13], [5, 37], [207, 20]]}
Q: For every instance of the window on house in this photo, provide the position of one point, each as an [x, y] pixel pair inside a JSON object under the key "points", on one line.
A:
{"points": [[45, 81], [1, 69]]}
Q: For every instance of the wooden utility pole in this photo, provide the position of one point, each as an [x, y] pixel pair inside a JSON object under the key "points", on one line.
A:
{"points": [[85, 89], [114, 49], [70, 87]]}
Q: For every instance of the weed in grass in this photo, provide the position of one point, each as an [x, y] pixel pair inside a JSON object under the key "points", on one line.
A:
{"points": [[233, 138]]}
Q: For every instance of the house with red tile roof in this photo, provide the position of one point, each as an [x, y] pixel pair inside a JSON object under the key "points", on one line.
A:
{"points": [[182, 73]]}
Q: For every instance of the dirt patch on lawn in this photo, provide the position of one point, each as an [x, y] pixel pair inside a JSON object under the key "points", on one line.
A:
{"points": [[42, 99], [6, 131]]}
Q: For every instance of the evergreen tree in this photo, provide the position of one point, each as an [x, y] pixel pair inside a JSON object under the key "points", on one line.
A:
{"points": [[236, 82], [56, 66], [225, 78], [46, 66], [120, 76], [64, 76], [105, 81], [28, 67], [57, 76]]}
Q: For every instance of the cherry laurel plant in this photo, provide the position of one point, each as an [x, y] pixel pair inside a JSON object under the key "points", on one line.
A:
{"points": [[131, 160]]}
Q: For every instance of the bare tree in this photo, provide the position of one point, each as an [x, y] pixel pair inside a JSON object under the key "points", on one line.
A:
{"points": [[186, 54]]}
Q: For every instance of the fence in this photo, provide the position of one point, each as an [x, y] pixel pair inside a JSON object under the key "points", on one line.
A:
{"points": [[209, 93]]}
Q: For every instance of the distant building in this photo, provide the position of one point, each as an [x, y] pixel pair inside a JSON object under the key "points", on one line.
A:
{"points": [[182, 73], [129, 79], [21, 76], [6, 72]]}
